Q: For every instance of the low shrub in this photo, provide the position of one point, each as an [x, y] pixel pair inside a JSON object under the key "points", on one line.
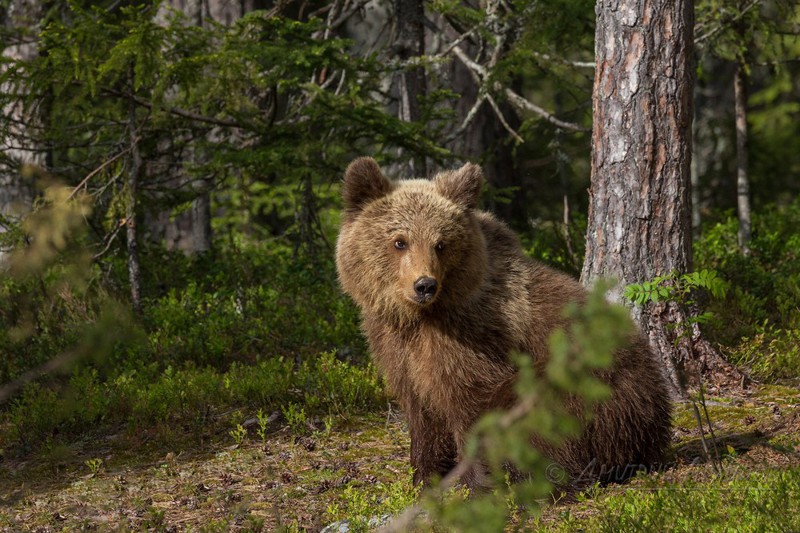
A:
{"points": [[760, 501], [770, 354], [758, 321], [765, 285], [189, 398]]}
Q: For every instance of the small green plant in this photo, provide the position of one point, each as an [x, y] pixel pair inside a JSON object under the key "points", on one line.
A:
{"points": [[295, 416], [365, 509], [770, 354], [682, 289], [329, 422], [672, 287], [154, 518], [94, 465], [263, 424], [239, 433]]}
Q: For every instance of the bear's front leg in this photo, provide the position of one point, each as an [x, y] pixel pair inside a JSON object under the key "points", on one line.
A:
{"points": [[433, 449]]}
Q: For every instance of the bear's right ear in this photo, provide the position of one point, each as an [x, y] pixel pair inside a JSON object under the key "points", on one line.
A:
{"points": [[363, 182], [462, 186]]}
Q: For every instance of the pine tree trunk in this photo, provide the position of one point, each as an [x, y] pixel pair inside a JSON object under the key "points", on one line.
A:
{"points": [[410, 43], [134, 268], [742, 181], [21, 155], [640, 208], [190, 230]]}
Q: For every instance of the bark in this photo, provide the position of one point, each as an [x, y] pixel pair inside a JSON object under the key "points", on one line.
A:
{"points": [[134, 270], [201, 223], [409, 44], [190, 230], [742, 181], [713, 156], [640, 208], [21, 156]]}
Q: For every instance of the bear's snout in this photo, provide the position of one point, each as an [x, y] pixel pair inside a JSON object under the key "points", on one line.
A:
{"points": [[425, 289]]}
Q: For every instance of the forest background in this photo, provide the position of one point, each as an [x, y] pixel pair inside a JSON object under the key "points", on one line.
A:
{"points": [[169, 196]]}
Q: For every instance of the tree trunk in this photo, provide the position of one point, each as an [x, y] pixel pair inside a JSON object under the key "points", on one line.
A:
{"points": [[742, 181], [21, 155], [640, 208], [410, 43], [190, 230], [134, 270]]}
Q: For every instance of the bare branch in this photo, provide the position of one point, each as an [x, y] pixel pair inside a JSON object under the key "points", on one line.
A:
{"points": [[110, 240], [99, 169], [473, 112], [516, 100], [502, 119], [522, 103], [461, 38], [475, 72], [551, 59], [347, 14]]}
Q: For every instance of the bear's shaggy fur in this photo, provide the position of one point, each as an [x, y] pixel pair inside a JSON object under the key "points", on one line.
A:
{"points": [[446, 295]]}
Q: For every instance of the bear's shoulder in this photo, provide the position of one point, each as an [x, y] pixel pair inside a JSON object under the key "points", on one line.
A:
{"points": [[500, 239]]}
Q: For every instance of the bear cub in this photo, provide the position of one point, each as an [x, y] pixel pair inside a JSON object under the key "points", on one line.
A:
{"points": [[446, 295]]}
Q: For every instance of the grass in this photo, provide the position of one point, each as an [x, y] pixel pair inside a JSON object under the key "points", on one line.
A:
{"points": [[303, 477]]}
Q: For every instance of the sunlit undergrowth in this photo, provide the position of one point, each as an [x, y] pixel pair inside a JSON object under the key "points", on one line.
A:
{"points": [[265, 330], [760, 501], [188, 398], [758, 322], [357, 470]]}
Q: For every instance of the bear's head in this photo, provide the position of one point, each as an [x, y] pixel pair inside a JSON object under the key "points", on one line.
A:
{"points": [[410, 247]]}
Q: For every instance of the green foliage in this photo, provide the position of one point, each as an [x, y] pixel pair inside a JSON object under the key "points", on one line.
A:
{"points": [[729, 34], [263, 425], [672, 287], [759, 317], [295, 416], [766, 284], [559, 245], [266, 302], [338, 386], [301, 104], [94, 465], [188, 399], [238, 434], [770, 354], [366, 508], [685, 290], [759, 501], [52, 311]]}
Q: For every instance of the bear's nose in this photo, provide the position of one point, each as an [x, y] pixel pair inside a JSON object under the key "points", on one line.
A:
{"points": [[425, 287]]}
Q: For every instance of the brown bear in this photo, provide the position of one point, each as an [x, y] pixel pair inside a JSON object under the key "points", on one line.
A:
{"points": [[447, 295]]}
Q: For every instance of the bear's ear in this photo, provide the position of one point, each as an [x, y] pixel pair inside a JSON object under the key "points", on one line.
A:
{"points": [[363, 182], [462, 186]]}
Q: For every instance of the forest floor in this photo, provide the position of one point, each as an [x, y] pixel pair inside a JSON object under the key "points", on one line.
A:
{"points": [[121, 481]]}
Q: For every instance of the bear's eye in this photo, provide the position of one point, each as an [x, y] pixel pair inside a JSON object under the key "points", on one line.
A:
{"points": [[400, 244], [439, 246]]}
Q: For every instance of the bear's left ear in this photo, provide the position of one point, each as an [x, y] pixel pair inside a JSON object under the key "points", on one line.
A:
{"points": [[363, 182], [462, 186]]}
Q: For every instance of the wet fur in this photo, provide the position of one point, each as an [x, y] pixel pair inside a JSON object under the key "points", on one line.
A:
{"points": [[447, 363]]}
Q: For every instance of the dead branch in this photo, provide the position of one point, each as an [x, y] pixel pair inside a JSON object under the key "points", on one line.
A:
{"points": [[516, 100]]}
